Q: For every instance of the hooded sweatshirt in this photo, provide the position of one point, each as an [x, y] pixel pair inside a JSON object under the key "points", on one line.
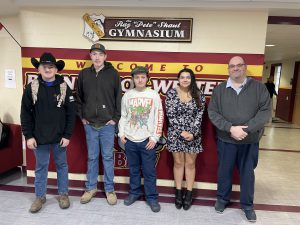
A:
{"points": [[45, 120], [99, 95]]}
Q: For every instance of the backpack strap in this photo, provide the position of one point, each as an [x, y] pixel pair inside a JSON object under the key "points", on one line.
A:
{"points": [[34, 90]]}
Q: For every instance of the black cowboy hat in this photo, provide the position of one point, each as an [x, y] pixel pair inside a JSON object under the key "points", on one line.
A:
{"points": [[48, 58]]}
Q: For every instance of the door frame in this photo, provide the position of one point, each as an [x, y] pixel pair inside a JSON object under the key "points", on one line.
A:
{"points": [[294, 88], [272, 73]]}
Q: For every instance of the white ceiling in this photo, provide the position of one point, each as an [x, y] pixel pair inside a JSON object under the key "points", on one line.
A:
{"points": [[276, 7], [285, 37]]}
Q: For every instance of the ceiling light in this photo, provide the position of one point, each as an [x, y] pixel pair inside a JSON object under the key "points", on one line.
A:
{"points": [[270, 45]]}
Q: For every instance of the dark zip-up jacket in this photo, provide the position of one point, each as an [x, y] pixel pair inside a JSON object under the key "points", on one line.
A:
{"points": [[44, 120], [271, 88], [251, 107], [99, 95]]}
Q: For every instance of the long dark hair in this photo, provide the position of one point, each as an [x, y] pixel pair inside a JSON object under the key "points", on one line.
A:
{"points": [[193, 88]]}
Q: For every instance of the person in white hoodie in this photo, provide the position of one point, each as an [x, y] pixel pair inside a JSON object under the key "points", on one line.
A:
{"points": [[140, 127]]}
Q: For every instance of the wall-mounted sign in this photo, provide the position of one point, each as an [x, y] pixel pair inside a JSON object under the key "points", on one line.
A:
{"points": [[137, 29]]}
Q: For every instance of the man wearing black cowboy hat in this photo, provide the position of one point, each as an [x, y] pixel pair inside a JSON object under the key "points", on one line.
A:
{"points": [[99, 107], [47, 119]]}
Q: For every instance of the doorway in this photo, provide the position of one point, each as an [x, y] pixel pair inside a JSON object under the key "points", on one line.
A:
{"points": [[295, 97], [275, 74]]}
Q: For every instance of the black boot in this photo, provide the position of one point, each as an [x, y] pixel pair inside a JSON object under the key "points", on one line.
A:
{"points": [[178, 198], [188, 200]]}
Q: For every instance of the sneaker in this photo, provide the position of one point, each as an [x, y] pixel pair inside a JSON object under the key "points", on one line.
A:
{"points": [[220, 206], [37, 204], [250, 215], [88, 195], [111, 198], [154, 205], [63, 201], [131, 199]]}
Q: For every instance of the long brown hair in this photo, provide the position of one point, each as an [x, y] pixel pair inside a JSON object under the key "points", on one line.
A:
{"points": [[193, 88]]}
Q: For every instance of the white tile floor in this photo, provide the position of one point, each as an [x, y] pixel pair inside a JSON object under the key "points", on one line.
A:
{"points": [[277, 183], [14, 210], [281, 138], [277, 178]]}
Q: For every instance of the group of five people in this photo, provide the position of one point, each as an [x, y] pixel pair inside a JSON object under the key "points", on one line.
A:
{"points": [[238, 108]]}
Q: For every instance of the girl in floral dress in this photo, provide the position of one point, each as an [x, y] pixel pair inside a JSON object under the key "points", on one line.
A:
{"points": [[184, 108]]}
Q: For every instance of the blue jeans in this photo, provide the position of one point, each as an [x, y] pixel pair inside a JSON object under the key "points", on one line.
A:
{"points": [[245, 157], [140, 158], [100, 139], [42, 155]]}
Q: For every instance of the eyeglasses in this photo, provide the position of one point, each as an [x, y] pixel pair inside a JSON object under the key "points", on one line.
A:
{"points": [[238, 66]]}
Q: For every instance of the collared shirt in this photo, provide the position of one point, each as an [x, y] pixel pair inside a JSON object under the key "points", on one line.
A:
{"points": [[237, 90]]}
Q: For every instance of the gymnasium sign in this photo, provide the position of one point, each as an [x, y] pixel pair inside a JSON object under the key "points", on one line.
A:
{"points": [[99, 27]]}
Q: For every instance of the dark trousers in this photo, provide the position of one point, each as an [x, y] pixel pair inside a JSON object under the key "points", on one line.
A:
{"points": [[140, 158], [245, 157]]}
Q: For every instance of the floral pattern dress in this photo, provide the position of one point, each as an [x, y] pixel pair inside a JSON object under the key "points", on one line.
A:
{"points": [[184, 116]]}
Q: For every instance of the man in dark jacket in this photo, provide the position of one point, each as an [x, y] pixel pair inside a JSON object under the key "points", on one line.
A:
{"points": [[99, 107], [271, 86], [272, 91], [239, 108], [47, 119]]}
